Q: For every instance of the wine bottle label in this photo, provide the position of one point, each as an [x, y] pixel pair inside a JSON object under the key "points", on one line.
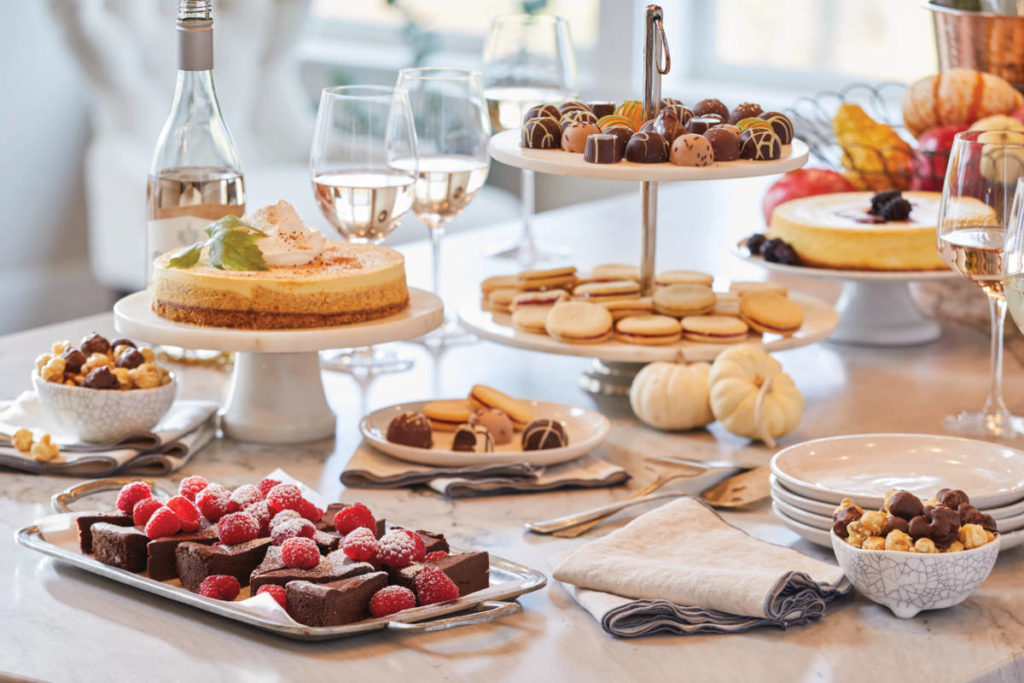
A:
{"points": [[195, 45], [167, 234]]}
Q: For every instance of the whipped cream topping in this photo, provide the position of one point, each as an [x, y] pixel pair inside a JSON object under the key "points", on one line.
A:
{"points": [[289, 241]]}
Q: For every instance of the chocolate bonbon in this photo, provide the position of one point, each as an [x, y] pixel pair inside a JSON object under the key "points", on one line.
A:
{"points": [[614, 120], [577, 116], [602, 149], [410, 429], [711, 106], [684, 114], [572, 105], [752, 122], [692, 150], [633, 110], [760, 144], [647, 147], [544, 434], [473, 438], [542, 110], [744, 111], [542, 133], [622, 134], [602, 108], [668, 124], [724, 142], [781, 124], [574, 136], [699, 125]]}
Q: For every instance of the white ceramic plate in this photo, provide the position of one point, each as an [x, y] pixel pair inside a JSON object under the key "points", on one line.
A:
{"points": [[739, 250], [586, 430], [863, 467]]}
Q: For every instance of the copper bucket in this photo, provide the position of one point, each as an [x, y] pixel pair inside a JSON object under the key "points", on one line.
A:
{"points": [[980, 40]]}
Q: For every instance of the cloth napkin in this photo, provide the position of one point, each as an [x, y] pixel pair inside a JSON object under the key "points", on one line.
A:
{"points": [[183, 431], [682, 569], [369, 468]]}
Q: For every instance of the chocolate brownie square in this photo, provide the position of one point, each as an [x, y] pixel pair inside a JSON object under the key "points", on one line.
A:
{"points": [[334, 603], [120, 546], [86, 521], [162, 564], [197, 561], [326, 522], [336, 566], [469, 571]]}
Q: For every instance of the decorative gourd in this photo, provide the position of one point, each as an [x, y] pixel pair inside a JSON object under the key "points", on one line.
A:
{"points": [[672, 396], [751, 395]]}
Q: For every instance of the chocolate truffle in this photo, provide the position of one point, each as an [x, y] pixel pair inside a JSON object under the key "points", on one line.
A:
{"points": [[470, 438], [544, 434], [542, 133], [602, 149], [411, 429], [572, 105], [682, 113], [574, 136], [724, 143], [648, 125], [601, 108], [744, 111], [711, 106], [761, 144], [668, 124], [728, 126], [496, 421], [614, 121], [669, 101], [542, 111], [577, 116], [692, 150], [647, 147], [752, 122], [699, 125], [622, 134], [781, 124]]}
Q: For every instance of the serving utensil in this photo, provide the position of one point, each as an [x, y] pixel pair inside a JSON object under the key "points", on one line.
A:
{"points": [[740, 490]]}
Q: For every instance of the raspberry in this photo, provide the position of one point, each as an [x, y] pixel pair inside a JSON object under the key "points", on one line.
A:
{"points": [[237, 527], [282, 517], [291, 528], [300, 553], [213, 502], [434, 556], [163, 522], [284, 497], [219, 587], [191, 486], [419, 549], [276, 592], [243, 497], [131, 494], [261, 511], [361, 545], [187, 512], [144, 509], [353, 517], [309, 511], [264, 485], [396, 549], [433, 585], [391, 599]]}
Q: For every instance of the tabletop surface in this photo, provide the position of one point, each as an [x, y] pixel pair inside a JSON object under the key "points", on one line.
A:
{"points": [[60, 623]]}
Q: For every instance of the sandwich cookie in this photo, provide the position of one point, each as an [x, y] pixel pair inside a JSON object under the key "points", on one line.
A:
{"points": [[500, 300], [683, 277], [771, 312], [539, 300], [742, 288], [682, 300], [579, 322], [650, 330], [498, 282], [519, 412], [531, 319], [607, 291], [552, 278], [716, 329], [726, 304], [624, 308], [609, 272], [446, 416]]}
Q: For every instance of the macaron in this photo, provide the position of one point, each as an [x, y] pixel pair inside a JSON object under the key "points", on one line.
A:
{"points": [[726, 304], [682, 300], [716, 329], [497, 282], [579, 322], [649, 330], [531, 319], [616, 271], [552, 278], [771, 312], [683, 277], [607, 291], [519, 412], [446, 416], [622, 308], [500, 300], [541, 300], [742, 288]]}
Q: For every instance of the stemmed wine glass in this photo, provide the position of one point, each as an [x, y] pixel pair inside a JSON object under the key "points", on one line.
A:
{"points": [[450, 117], [975, 215], [361, 133], [528, 60]]}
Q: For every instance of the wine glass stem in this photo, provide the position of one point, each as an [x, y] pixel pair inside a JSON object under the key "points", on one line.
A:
{"points": [[526, 196], [994, 403], [436, 233]]}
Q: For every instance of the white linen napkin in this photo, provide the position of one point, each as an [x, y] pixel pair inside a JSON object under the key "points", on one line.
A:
{"points": [[369, 468], [682, 569], [183, 431]]}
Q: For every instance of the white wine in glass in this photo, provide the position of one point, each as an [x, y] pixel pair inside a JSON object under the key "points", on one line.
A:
{"points": [[362, 205]]}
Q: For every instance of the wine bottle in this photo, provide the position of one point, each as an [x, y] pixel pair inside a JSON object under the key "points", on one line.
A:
{"points": [[196, 176]]}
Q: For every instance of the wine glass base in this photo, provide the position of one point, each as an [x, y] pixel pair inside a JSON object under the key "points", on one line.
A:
{"points": [[985, 425], [527, 254], [365, 360], [449, 334]]}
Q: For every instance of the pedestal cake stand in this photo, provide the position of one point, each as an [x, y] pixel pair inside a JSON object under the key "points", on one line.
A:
{"points": [[277, 394]]}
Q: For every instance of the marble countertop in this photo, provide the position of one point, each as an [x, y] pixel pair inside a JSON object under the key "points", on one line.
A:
{"points": [[60, 623]]}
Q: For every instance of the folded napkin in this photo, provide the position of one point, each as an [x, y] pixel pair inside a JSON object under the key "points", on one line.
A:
{"points": [[183, 431], [369, 468], [682, 569]]}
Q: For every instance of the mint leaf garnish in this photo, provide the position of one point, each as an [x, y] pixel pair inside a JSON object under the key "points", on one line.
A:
{"points": [[231, 222], [187, 257], [235, 250]]}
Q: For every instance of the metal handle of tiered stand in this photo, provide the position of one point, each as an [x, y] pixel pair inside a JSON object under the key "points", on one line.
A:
{"points": [[657, 63]]}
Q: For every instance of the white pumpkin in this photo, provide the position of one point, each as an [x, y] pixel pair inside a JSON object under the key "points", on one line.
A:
{"points": [[672, 396], [751, 395]]}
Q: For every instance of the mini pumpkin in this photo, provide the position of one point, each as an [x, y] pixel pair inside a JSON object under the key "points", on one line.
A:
{"points": [[751, 396], [672, 396]]}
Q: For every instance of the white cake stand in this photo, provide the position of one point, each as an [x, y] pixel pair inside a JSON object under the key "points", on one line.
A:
{"points": [[875, 308], [277, 394]]}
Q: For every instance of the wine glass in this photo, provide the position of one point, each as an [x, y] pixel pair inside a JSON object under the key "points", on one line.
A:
{"points": [[528, 60], [360, 134], [452, 131], [974, 216]]}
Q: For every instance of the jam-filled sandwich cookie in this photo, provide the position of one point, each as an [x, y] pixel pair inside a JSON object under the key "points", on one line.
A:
{"points": [[533, 319], [649, 330], [500, 300], [579, 322], [624, 308], [683, 277], [682, 300], [742, 288], [544, 434], [552, 278], [483, 397], [539, 300], [498, 282], [771, 312], [446, 416], [615, 271], [607, 291], [726, 304], [715, 329]]}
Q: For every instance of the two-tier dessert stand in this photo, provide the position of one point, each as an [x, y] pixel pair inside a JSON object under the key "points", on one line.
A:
{"points": [[277, 393]]}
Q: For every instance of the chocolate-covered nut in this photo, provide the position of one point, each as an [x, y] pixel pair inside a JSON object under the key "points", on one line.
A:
{"points": [[711, 106], [847, 514], [744, 111], [944, 520], [94, 343], [122, 342], [101, 378], [906, 505], [73, 360], [952, 498], [943, 542], [131, 358], [987, 522], [840, 529], [894, 523]]}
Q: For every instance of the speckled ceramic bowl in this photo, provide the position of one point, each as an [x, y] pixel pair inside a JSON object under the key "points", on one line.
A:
{"points": [[908, 583], [98, 416]]}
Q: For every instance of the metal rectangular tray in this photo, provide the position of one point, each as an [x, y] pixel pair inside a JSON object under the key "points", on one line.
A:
{"points": [[508, 581]]}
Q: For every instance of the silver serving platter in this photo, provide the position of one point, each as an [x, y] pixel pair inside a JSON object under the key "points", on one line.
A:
{"points": [[508, 581]]}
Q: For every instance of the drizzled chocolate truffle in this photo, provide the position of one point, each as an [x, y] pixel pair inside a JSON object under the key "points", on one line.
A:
{"points": [[744, 111], [577, 116], [668, 124], [647, 147], [682, 113], [411, 429], [574, 136], [781, 124], [542, 133], [711, 106], [572, 105], [471, 438], [542, 110], [544, 434], [761, 144]]}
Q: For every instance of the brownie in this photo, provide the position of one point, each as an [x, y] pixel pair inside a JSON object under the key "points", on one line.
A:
{"points": [[337, 565], [197, 561], [469, 571], [85, 523], [326, 522], [432, 542], [334, 603], [327, 541], [162, 564], [120, 546]]}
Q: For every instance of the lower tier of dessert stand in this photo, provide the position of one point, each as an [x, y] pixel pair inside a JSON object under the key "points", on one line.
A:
{"points": [[616, 363], [277, 393], [875, 307]]}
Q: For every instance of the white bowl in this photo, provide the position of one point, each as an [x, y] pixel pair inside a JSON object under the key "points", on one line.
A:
{"points": [[908, 583], [98, 415]]}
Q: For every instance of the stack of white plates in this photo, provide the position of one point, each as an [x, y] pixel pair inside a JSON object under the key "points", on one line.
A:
{"points": [[810, 479]]}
